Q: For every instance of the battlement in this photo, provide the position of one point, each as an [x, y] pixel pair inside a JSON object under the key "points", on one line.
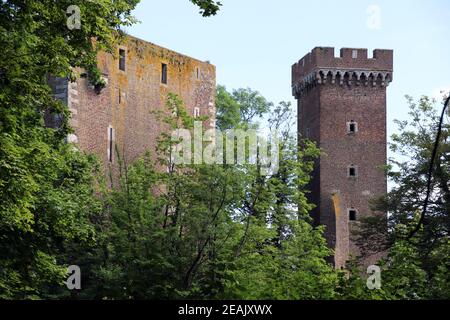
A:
{"points": [[350, 58], [353, 66]]}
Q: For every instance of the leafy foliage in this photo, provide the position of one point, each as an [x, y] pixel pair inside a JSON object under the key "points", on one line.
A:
{"points": [[414, 268], [239, 108], [207, 7], [191, 231], [47, 188], [212, 231]]}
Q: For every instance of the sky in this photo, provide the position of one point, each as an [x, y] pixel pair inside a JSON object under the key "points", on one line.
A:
{"points": [[254, 43]]}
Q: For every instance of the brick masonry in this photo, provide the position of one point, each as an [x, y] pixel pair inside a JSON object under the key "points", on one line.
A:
{"points": [[332, 91], [127, 103]]}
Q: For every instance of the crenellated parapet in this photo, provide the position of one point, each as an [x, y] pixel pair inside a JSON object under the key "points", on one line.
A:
{"points": [[352, 68]]}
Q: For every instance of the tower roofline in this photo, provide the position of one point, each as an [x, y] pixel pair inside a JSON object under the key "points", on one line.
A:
{"points": [[321, 62], [349, 58]]}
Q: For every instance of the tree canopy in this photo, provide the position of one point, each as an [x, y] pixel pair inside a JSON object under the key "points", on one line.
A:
{"points": [[192, 231]]}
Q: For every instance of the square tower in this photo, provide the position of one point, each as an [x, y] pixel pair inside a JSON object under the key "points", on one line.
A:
{"points": [[342, 107]]}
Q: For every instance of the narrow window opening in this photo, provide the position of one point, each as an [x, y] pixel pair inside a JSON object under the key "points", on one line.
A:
{"points": [[196, 112], [122, 59], [352, 214], [120, 96], [352, 127], [164, 73], [355, 54], [110, 145], [352, 171], [198, 73]]}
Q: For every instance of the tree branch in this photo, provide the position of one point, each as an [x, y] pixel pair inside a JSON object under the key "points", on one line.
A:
{"points": [[430, 171]]}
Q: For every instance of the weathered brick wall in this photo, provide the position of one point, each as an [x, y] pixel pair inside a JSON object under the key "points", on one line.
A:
{"points": [[365, 149], [128, 102], [332, 92], [309, 127]]}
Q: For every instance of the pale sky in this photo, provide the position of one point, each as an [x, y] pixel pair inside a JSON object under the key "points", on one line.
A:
{"points": [[253, 43]]}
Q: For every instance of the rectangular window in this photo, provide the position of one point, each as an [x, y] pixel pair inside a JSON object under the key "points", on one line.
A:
{"points": [[196, 112], [197, 71], [352, 127], [120, 96], [355, 54], [122, 58], [164, 73], [110, 144], [352, 213], [352, 171]]}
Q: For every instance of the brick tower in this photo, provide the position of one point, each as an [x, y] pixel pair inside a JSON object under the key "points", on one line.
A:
{"points": [[342, 107]]}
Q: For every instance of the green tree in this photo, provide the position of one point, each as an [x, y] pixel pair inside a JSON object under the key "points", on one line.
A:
{"points": [[46, 187], [413, 267], [207, 7], [239, 108], [49, 208], [280, 255], [212, 231]]}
